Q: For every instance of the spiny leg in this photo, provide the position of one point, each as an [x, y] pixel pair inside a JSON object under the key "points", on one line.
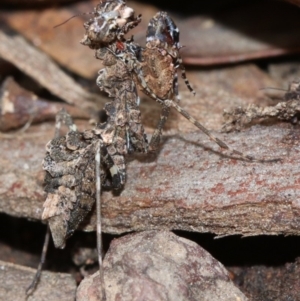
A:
{"points": [[98, 215], [102, 157], [98, 203], [155, 139], [171, 103], [115, 164], [212, 137], [175, 87], [183, 75], [31, 288]]}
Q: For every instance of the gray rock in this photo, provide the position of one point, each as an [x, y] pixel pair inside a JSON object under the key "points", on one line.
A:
{"points": [[159, 266]]}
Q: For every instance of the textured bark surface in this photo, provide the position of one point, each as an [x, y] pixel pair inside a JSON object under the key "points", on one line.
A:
{"points": [[14, 279], [182, 187], [159, 266], [146, 201]]}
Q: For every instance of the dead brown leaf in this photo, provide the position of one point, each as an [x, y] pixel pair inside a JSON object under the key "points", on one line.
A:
{"points": [[37, 65]]}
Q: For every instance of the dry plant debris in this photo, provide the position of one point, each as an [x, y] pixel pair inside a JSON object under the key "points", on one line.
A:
{"points": [[193, 189], [287, 110]]}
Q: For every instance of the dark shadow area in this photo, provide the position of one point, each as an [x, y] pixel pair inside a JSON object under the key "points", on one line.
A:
{"points": [[248, 251], [21, 243], [8, 4], [195, 7]]}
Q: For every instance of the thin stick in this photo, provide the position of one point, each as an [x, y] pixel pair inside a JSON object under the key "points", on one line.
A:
{"points": [[271, 88]]}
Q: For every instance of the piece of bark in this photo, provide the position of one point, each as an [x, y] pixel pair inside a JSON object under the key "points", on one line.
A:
{"points": [[269, 283], [159, 266], [288, 110], [19, 106], [37, 65], [239, 118], [14, 280], [157, 194], [183, 187]]}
